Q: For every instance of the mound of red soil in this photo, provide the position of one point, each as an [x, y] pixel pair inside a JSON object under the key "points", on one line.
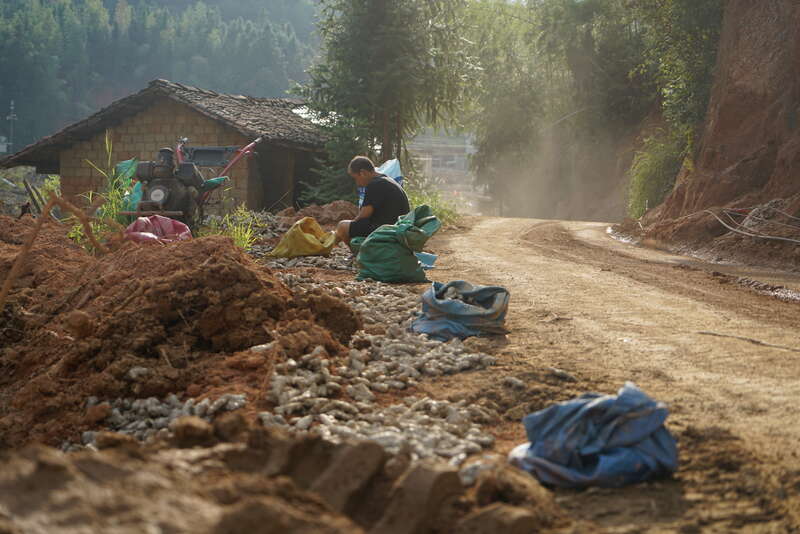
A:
{"points": [[749, 151], [210, 480], [338, 210], [145, 321]]}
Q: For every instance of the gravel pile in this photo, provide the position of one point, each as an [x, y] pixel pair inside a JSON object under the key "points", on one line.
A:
{"points": [[340, 259], [341, 399], [144, 418], [394, 360]]}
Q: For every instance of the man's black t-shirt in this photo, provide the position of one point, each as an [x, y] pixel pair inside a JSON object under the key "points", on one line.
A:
{"points": [[387, 199]]}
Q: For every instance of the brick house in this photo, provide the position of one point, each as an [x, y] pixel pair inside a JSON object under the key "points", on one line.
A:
{"points": [[165, 111]]}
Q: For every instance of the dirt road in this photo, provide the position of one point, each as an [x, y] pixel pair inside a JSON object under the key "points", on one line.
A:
{"points": [[606, 312]]}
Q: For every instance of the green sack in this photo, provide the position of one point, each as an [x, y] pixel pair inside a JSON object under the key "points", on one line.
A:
{"points": [[387, 254], [355, 244]]}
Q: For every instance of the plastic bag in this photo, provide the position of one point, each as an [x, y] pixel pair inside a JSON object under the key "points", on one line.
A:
{"points": [[157, 229], [387, 254], [305, 238], [132, 199], [459, 309], [598, 440]]}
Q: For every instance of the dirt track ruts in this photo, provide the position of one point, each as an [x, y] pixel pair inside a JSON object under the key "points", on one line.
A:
{"points": [[608, 312]]}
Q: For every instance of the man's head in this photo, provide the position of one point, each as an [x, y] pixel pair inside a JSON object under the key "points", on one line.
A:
{"points": [[362, 170]]}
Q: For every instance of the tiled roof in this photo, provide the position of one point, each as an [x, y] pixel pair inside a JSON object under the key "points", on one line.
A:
{"points": [[274, 119]]}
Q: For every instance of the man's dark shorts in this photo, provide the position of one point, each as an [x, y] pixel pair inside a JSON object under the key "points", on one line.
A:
{"points": [[361, 228]]}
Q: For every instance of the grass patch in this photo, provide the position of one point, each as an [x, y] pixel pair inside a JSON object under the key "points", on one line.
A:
{"points": [[241, 226], [653, 172]]}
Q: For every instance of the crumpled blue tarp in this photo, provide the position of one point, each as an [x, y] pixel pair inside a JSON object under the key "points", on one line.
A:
{"points": [[598, 440], [459, 309]]}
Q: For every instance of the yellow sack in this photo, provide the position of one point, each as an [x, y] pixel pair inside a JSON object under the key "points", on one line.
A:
{"points": [[305, 238]]}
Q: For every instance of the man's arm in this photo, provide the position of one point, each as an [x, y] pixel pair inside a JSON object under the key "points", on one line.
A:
{"points": [[365, 213]]}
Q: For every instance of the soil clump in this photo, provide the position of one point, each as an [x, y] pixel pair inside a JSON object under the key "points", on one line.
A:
{"points": [[144, 321], [212, 479]]}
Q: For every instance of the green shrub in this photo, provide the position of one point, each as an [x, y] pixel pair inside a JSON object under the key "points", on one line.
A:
{"points": [[423, 191], [52, 184], [653, 172]]}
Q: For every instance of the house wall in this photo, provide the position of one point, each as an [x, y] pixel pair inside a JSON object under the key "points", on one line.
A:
{"points": [[141, 136]]}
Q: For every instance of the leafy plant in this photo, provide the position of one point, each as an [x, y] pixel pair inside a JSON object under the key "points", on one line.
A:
{"points": [[113, 199], [240, 226], [653, 172], [423, 191], [117, 183], [391, 65], [52, 184]]}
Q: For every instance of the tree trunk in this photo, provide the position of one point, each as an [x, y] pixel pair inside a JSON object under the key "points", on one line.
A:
{"points": [[387, 144]]}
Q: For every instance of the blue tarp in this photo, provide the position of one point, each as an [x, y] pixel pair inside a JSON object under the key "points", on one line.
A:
{"points": [[598, 440], [459, 309]]}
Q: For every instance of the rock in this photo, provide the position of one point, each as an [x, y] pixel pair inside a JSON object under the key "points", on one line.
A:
{"points": [[272, 515], [307, 458], [304, 423], [517, 412], [360, 392], [88, 437], [191, 431], [350, 470], [79, 324], [513, 382], [116, 440], [97, 413], [498, 518], [230, 426], [418, 498], [135, 374], [562, 375], [508, 484]]}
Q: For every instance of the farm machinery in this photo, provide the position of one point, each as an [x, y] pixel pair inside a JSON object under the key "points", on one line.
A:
{"points": [[173, 185]]}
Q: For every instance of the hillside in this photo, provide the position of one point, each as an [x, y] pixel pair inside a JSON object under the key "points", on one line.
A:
{"points": [[749, 152]]}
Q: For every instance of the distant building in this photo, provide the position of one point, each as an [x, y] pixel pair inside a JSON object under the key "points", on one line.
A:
{"points": [[162, 113], [445, 159], [444, 156], [4, 145]]}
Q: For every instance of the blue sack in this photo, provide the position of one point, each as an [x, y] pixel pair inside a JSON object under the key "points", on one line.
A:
{"points": [[459, 309], [598, 440]]}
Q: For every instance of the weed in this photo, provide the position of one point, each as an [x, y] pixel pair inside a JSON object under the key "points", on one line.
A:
{"points": [[239, 226], [114, 198]]}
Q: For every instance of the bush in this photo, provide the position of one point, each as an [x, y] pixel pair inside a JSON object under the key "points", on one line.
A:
{"points": [[423, 191], [653, 172]]}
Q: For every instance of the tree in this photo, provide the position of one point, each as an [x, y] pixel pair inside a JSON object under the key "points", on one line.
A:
{"points": [[392, 65], [61, 60]]}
